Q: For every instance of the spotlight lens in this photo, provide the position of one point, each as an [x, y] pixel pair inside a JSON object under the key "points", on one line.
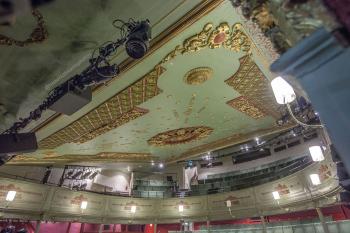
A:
{"points": [[316, 153], [136, 48], [283, 92]]}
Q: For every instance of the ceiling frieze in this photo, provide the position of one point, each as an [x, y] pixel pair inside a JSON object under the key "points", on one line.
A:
{"points": [[111, 114], [251, 83]]}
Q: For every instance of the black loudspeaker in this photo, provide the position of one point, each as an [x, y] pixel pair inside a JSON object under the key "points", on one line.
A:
{"points": [[18, 143], [72, 100]]}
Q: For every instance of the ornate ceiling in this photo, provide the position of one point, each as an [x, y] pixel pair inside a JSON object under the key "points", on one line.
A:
{"points": [[203, 86]]}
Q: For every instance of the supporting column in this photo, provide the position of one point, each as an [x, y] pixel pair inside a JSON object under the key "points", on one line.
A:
{"points": [[321, 217], [263, 222], [208, 226], [100, 230], [82, 226], [154, 227], [37, 227], [68, 227]]}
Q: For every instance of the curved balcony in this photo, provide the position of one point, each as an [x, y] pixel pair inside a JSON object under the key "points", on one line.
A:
{"points": [[36, 201]]}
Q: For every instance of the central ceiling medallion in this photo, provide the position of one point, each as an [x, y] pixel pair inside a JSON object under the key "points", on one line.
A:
{"points": [[180, 136], [198, 75]]}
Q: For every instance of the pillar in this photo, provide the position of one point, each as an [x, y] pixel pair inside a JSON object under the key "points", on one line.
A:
{"points": [[37, 227], [100, 229], [208, 226], [154, 227], [323, 223], [263, 222], [68, 227]]}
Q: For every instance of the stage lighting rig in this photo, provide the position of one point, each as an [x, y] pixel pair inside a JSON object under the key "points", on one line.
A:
{"points": [[73, 94]]}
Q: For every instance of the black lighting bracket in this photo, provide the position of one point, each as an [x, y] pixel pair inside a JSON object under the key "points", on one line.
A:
{"points": [[134, 34]]}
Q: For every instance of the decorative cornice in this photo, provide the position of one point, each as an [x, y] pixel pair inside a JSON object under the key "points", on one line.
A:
{"points": [[71, 158]]}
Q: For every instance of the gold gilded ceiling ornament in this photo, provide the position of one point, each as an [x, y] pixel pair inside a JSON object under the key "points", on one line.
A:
{"points": [[198, 75], [234, 39], [39, 34], [180, 136], [116, 111], [251, 83], [243, 105]]}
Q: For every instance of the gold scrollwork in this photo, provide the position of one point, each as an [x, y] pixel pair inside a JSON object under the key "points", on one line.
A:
{"points": [[180, 136], [39, 34]]}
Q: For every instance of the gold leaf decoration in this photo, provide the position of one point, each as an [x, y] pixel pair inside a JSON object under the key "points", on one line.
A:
{"points": [[243, 105], [234, 39], [198, 75], [250, 82], [180, 136], [113, 113]]}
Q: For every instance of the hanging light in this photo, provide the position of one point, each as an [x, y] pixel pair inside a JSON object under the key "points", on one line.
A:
{"points": [[181, 208], [283, 92], [276, 195], [315, 179], [161, 165], [83, 205], [316, 153], [133, 209], [10, 195]]}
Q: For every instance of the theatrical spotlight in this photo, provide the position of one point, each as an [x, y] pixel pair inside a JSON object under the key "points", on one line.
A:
{"points": [[138, 40], [73, 94]]}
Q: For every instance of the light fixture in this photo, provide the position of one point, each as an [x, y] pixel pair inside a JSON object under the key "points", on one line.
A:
{"points": [[315, 179], [228, 203], [83, 205], [276, 195], [283, 92], [181, 208], [151, 225], [128, 168], [11, 195], [316, 153], [257, 139], [161, 165], [152, 163], [133, 209]]}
